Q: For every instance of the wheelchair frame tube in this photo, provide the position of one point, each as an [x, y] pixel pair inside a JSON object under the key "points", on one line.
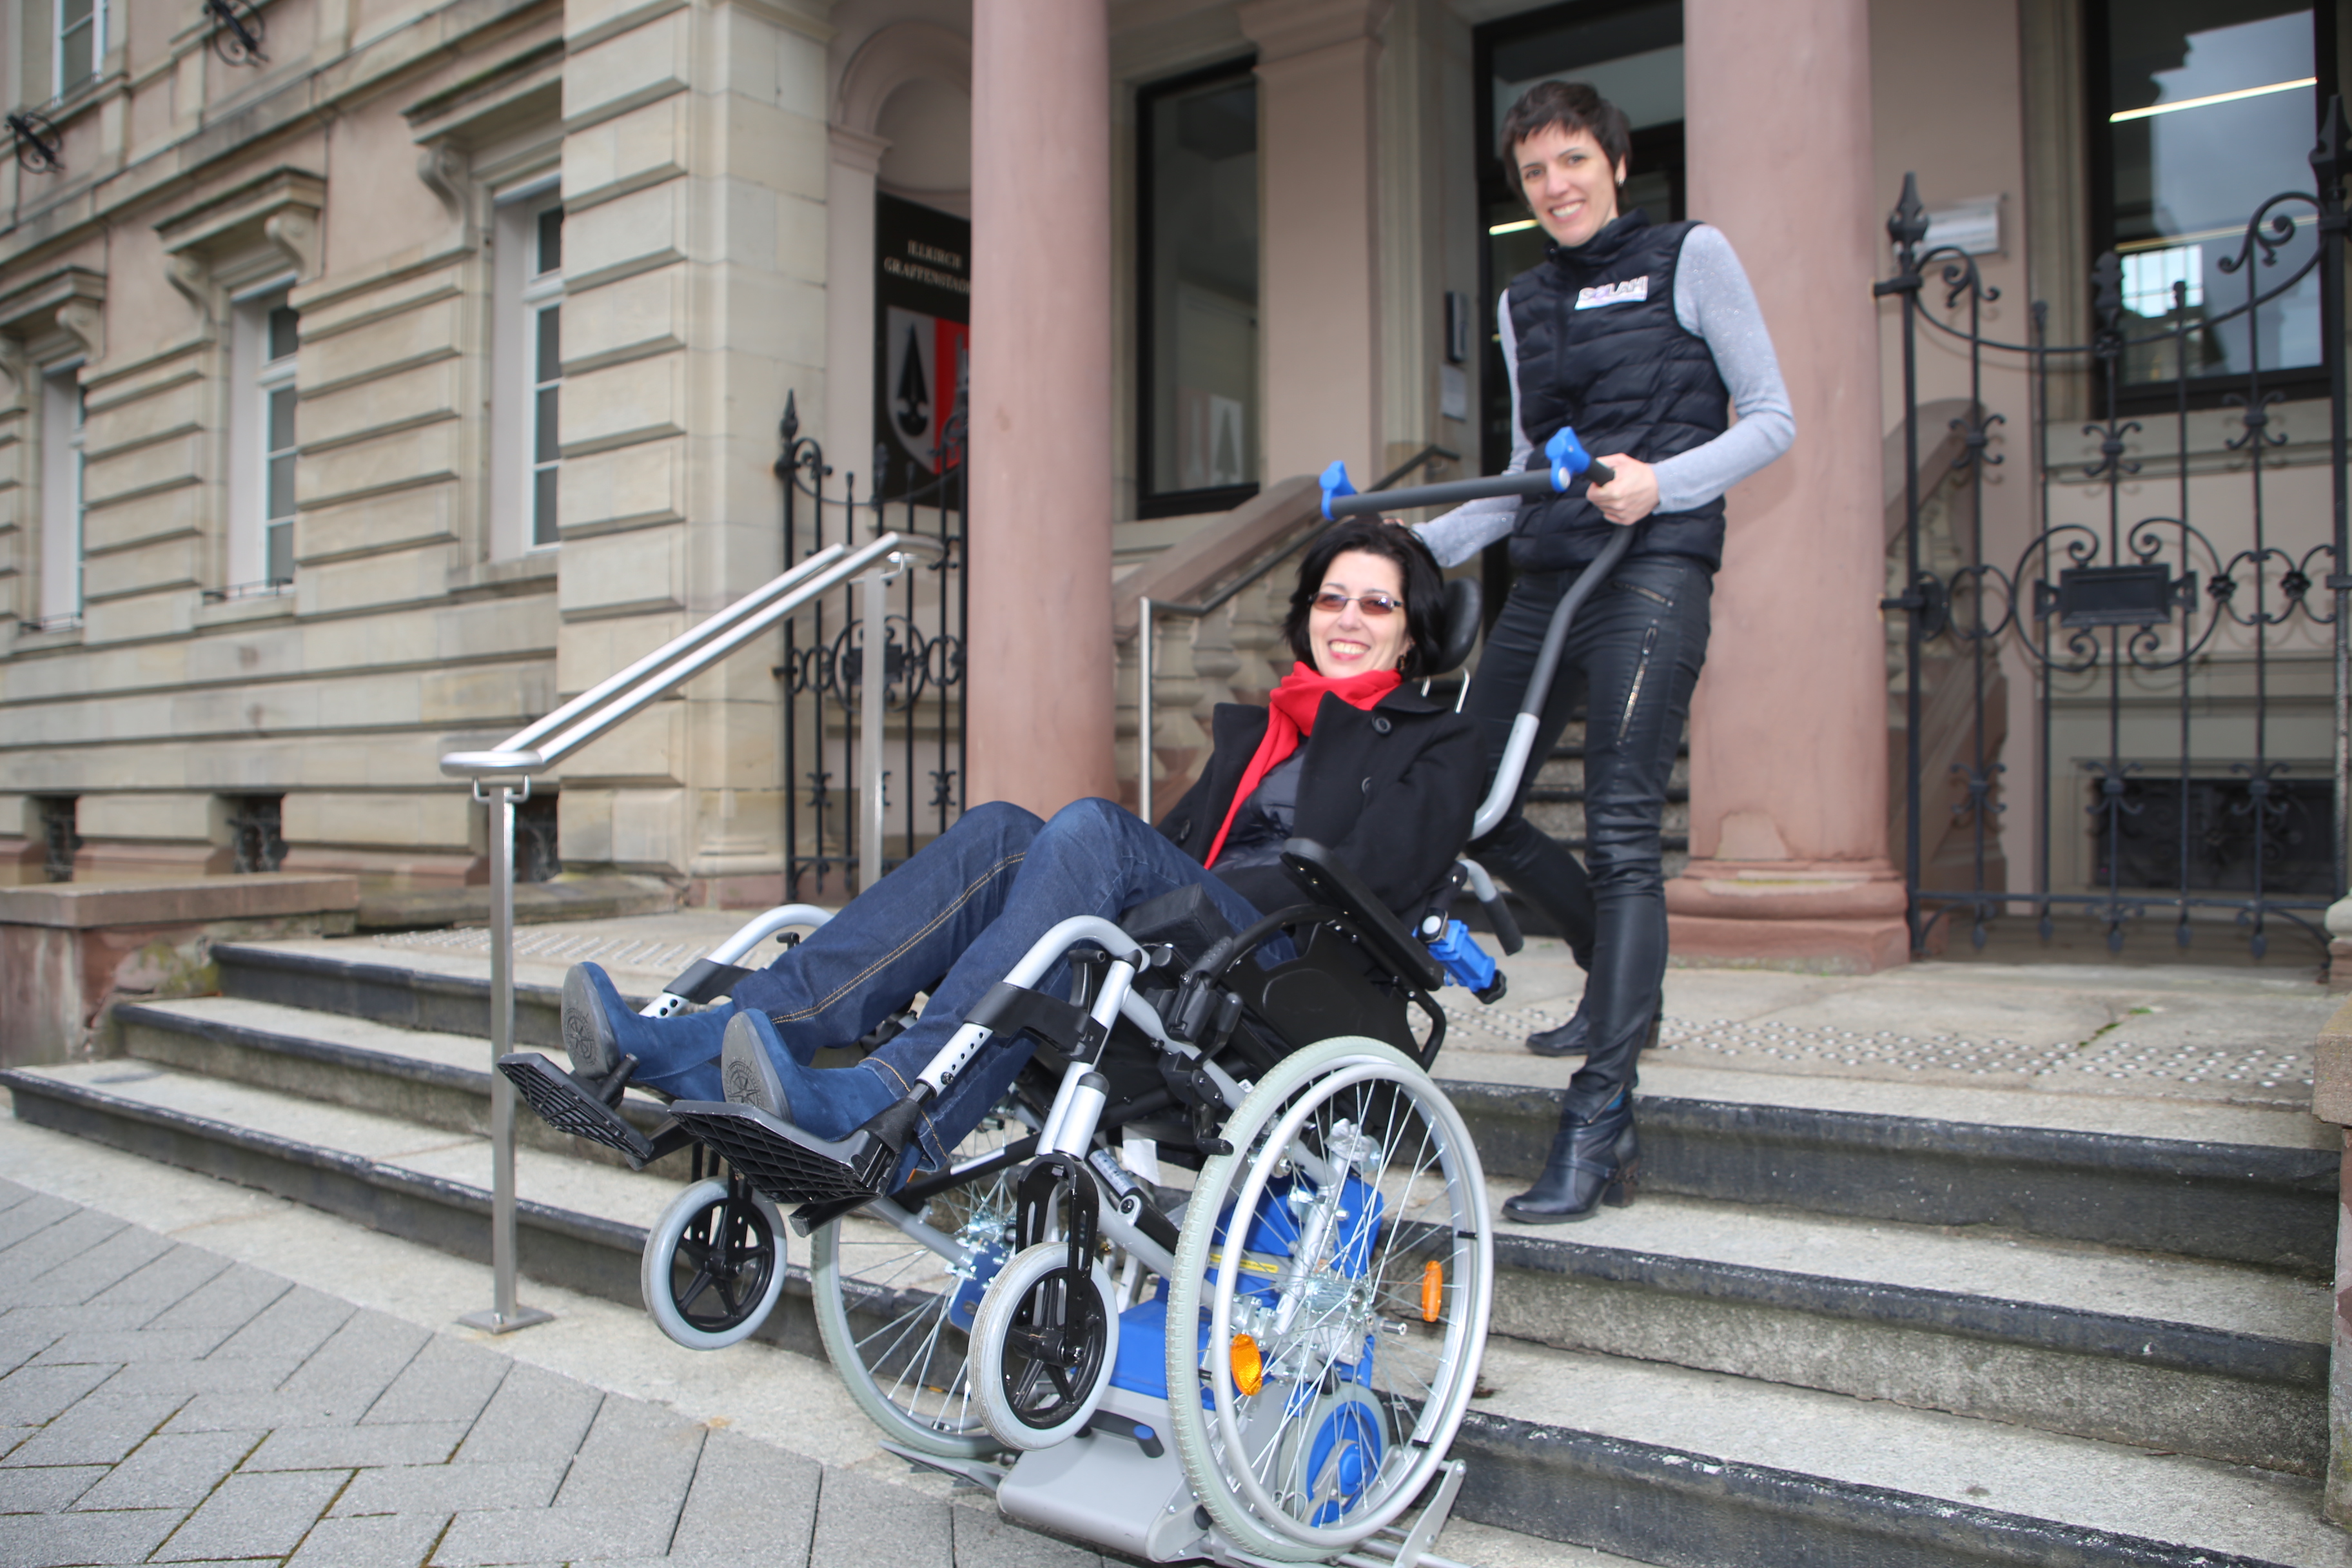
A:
{"points": [[748, 935], [1042, 956], [1522, 743]]}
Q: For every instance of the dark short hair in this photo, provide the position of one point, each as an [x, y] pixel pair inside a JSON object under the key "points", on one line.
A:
{"points": [[1573, 106], [1424, 588]]}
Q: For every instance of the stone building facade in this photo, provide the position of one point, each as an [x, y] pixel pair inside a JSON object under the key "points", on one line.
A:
{"points": [[368, 392]]}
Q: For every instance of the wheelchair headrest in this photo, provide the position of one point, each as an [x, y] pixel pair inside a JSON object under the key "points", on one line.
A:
{"points": [[1458, 615]]}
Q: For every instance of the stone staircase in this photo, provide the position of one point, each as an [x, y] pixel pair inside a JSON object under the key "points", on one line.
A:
{"points": [[1944, 1340]]}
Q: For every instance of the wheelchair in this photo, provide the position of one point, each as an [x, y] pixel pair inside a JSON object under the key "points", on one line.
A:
{"points": [[1212, 1279]]}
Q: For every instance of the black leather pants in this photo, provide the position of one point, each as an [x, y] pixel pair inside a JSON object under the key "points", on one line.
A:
{"points": [[1635, 650]]}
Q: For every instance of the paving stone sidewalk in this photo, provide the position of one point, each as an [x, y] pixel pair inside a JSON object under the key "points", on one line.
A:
{"points": [[162, 1403]]}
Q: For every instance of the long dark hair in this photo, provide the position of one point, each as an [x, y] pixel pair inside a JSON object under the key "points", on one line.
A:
{"points": [[1416, 567]]}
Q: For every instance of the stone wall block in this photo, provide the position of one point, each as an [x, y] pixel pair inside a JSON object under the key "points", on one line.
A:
{"points": [[429, 329], [591, 649], [649, 745], [395, 461], [176, 407], [620, 73], [634, 233], [176, 563], [627, 153], [174, 461], [405, 577], [369, 526], [439, 818], [777, 147], [523, 627], [259, 653], [627, 487], [490, 696], [638, 402], [158, 816], [417, 394], [156, 515], [626, 572], [631, 319]]}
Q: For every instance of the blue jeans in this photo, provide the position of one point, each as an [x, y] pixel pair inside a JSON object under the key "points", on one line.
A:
{"points": [[953, 921]]}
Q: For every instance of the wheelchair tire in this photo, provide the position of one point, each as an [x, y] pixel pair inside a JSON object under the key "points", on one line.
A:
{"points": [[1032, 1400], [711, 1271], [895, 1314], [1366, 1377]]}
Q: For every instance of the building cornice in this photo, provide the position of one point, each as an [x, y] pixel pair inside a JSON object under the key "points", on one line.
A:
{"points": [[1281, 28]]}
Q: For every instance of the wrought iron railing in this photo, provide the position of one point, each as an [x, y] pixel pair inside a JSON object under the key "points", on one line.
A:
{"points": [[922, 666], [2122, 619]]}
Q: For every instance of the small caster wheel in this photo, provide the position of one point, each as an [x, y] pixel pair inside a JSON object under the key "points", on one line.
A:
{"points": [[714, 1265]]}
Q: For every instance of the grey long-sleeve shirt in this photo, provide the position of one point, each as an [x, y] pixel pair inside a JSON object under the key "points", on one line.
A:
{"points": [[1714, 301]]}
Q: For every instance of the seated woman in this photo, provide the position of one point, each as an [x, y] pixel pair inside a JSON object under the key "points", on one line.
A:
{"points": [[1346, 753]]}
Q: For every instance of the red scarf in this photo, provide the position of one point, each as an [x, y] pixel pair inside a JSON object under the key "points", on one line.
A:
{"points": [[1290, 716]]}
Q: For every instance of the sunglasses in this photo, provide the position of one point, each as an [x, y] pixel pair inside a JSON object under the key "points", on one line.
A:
{"points": [[1373, 607]]}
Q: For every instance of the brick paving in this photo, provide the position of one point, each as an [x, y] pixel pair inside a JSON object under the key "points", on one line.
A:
{"points": [[162, 1403]]}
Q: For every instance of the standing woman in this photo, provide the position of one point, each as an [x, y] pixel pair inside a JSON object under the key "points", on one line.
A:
{"points": [[1643, 337]]}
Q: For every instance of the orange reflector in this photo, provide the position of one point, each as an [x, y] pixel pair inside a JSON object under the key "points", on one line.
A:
{"points": [[1433, 1290], [1249, 1367]]}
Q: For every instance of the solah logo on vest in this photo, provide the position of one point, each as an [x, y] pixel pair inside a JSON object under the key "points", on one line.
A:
{"points": [[1623, 293]]}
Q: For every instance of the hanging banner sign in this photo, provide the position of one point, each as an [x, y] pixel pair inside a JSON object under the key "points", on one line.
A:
{"points": [[923, 310]]}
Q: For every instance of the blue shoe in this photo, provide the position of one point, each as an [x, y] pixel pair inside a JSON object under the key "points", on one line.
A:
{"points": [[600, 1029], [830, 1104]]}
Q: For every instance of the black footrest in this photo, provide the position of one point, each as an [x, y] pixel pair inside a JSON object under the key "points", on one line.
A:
{"points": [[566, 1105], [787, 1164]]}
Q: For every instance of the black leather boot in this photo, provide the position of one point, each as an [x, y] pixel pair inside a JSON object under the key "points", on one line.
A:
{"points": [[1592, 1163], [1573, 1038]]}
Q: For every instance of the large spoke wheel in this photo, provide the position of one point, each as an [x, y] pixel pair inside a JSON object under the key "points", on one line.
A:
{"points": [[894, 1304], [713, 1265], [1043, 1347], [1333, 1283]]}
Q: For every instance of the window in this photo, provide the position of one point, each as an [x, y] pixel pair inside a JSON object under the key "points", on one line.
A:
{"points": [[1630, 54], [80, 43], [527, 352], [1199, 247], [61, 500], [2200, 110], [266, 332]]}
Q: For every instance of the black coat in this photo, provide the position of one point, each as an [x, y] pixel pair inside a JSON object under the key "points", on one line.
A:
{"points": [[1390, 790]]}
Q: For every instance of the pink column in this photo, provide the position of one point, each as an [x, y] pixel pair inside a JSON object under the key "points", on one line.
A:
{"points": [[1040, 653], [1789, 733]]}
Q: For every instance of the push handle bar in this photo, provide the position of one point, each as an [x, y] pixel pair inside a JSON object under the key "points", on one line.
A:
{"points": [[1564, 458]]}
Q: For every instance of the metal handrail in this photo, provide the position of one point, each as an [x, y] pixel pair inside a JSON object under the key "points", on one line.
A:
{"points": [[1146, 607], [501, 778]]}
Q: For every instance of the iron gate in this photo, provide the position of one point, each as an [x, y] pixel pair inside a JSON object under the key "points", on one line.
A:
{"points": [[2169, 653], [825, 662]]}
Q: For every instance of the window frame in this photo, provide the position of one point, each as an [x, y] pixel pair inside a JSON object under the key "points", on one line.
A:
{"points": [[256, 377], [2201, 392], [96, 22], [64, 499], [524, 297], [1150, 502]]}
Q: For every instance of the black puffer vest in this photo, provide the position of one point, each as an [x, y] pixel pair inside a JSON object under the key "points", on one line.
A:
{"points": [[1600, 349]]}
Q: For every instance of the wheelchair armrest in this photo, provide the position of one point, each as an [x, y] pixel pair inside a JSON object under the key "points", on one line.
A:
{"points": [[1322, 874]]}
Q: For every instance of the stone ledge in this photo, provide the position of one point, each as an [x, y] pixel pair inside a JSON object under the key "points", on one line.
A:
{"points": [[88, 906], [587, 899]]}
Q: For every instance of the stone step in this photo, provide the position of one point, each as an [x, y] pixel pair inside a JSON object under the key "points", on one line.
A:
{"points": [[1666, 1464], [2223, 1361], [2270, 1206]]}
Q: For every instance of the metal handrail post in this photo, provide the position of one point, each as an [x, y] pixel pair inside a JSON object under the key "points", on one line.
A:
{"points": [[873, 688], [1144, 707], [506, 1314]]}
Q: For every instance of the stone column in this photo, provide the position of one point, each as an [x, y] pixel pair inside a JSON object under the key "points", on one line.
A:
{"points": [[849, 303], [1789, 771], [1040, 721], [1318, 287]]}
